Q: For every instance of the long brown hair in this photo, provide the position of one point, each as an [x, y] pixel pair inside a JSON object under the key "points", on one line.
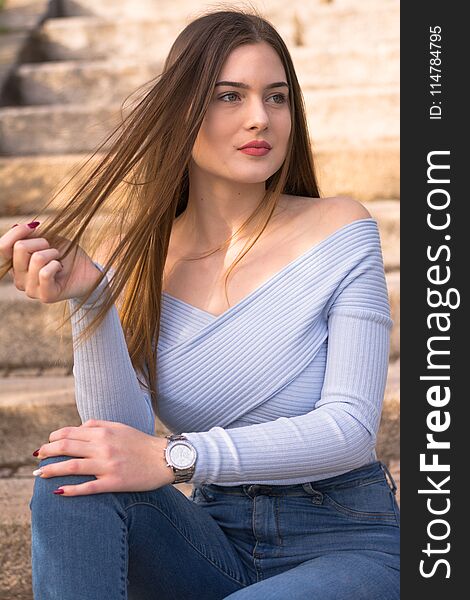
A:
{"points": [[140, 186]]}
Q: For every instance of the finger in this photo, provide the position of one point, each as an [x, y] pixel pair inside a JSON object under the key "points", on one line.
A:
{"points": [[81, 433], [9, 239], [45, 286], [74, 467], [66, 467], [17, 232], [76, 433], [66, 447], [48, 287], [21, 254], [40, 275], [83, 489]]}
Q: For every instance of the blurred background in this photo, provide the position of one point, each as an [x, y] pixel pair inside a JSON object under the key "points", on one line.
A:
{"points": [[66, 66]]}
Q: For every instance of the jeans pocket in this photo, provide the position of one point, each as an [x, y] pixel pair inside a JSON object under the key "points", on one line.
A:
{"points": [[374, 502]]}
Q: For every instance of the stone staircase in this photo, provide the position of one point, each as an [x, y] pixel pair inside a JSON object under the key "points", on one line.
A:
{"points": [[67, 67]]}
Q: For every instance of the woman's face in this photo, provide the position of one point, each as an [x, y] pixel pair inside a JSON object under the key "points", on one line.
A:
{"points": [[237, 115]]}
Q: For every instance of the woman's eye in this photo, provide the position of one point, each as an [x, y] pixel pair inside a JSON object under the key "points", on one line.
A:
{"points": [[281, 96], [230, 94]]}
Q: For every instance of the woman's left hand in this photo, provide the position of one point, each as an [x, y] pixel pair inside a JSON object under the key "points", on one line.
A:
{"points": [[122, 459]]}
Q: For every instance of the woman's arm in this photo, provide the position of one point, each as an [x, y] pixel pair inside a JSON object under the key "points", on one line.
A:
{"points": [[106, 385]]}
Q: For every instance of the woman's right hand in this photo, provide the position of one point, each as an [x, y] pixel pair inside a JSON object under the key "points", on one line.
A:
{"points": [[37, 271]]}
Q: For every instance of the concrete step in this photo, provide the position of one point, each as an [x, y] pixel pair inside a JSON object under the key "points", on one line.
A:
{"points": [[55, 129], [359, 114], [333, 25], [22, 14], [347, 115], [29, 334], [74, 82], [341, 167], [338, 66], [17, 19], [95, 38], [15, 531], [29, 182], [170, 9], [11, 44], [98, 37], [87, 82], [123, 8]]}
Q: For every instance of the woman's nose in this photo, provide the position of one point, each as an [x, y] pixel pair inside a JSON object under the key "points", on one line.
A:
{"points": [[257, 116]]}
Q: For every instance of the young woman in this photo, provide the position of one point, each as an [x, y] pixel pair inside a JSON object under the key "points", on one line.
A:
{"points": [[272, 385]]}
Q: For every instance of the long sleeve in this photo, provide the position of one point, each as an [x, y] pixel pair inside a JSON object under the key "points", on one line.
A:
{"points": [[339, 434], [106, 384]]}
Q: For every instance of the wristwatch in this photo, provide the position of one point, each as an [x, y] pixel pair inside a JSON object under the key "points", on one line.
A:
{"points": [[181, 455]]}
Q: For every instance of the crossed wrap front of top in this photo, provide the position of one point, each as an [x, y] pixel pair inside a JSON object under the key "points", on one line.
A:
{"points": [[286, 386]]}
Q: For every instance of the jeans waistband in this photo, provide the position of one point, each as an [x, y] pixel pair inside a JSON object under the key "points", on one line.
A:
{"points": [[375, 471]]}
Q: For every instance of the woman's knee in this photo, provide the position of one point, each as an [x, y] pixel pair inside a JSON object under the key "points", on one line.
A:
{"points": [[44, 486]]}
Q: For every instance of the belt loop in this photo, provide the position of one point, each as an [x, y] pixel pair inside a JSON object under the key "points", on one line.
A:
{"points": [[206, 492], [308, 488], [317, 497], [392, 481]]}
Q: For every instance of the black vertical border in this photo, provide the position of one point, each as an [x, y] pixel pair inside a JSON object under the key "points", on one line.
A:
{"points": [[419, 136]]}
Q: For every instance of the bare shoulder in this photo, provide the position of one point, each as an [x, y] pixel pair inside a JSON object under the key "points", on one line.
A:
{"points": [[324, 215], [341, 210]]}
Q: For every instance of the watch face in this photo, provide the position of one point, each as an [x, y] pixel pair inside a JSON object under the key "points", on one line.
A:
{"points": [[182, 456]]}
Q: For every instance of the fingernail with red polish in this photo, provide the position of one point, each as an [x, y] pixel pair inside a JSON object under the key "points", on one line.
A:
{"points": [[58, 491], [36, 452], [33, 224]]}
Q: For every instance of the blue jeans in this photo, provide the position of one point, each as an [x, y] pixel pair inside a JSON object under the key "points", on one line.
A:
{"points": [[333, 539]]}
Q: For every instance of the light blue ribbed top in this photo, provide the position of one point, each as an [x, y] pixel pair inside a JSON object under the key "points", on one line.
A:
{"points": [[284, 387]]}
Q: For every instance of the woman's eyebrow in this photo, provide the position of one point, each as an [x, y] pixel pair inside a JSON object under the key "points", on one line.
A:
{"points": [[247, 87]]}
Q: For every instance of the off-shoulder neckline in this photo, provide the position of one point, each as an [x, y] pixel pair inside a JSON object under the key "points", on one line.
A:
{"points": [[288, 267]]}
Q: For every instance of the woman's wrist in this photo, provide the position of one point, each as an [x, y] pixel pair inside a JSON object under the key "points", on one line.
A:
{"points": [[168, 469], [96, 293]]}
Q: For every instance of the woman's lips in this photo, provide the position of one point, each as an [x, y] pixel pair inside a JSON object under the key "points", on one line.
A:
{"points": [[255, 151]]}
